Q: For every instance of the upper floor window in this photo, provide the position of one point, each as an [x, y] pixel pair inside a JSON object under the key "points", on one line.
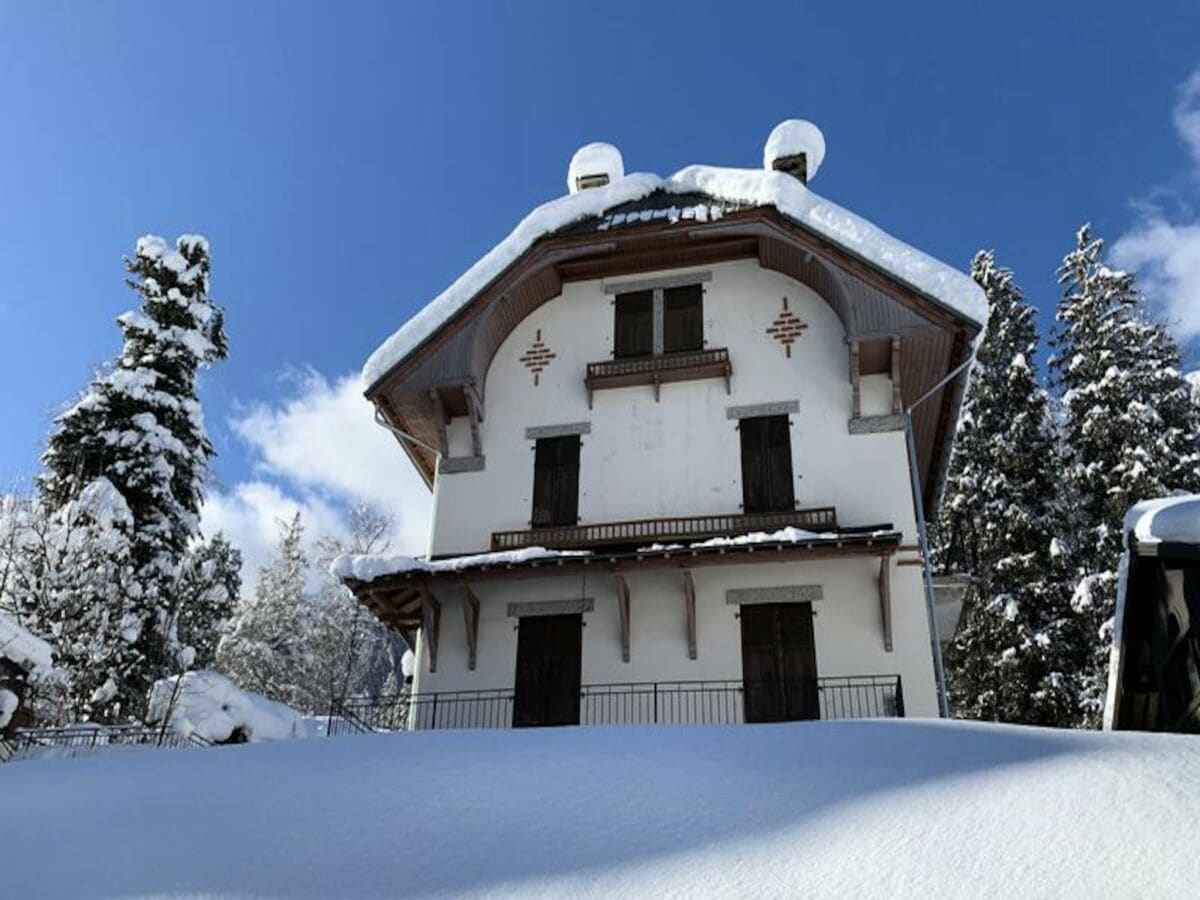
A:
{"points": [[683, 318], [662, 320], [767, 484], [556, 481], [634, 334]]}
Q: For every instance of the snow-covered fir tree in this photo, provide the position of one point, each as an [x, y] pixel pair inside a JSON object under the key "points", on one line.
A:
{"points": [[139, 426], [210, 580], [1130, 431], [1001, 510], [67, 576], [303, 639], [267, 647]]}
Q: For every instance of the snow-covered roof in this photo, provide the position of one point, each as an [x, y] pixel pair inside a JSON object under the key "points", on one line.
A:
{"points": [[939, 281], [20, 646], [368, 567], [1165, 520]]}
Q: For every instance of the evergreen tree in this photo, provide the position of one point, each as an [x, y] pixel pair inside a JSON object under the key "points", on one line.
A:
{"points": [[209, 582], [139, 426], [1129, 428], [999, 516], [267, 647]]}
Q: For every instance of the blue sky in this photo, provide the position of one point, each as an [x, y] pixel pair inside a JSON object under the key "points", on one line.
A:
{"points": [[347, 161]]}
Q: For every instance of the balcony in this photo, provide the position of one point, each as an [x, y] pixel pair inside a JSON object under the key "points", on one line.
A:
{"points": [[636, 532], [634, 703], [688, 365]]}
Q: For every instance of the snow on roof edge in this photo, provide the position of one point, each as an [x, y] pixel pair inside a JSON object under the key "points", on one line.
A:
{"points": [[943, 283]]}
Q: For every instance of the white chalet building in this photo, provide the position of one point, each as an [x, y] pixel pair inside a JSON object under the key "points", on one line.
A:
{"points": [[664, 423]]}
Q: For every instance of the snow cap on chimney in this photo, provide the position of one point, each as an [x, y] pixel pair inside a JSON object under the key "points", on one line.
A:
{"points": [[594, 165], [796, 147]]}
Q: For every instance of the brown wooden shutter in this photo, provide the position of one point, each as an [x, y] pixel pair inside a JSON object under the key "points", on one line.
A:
{"points": [[767, 484], [779, 662], [556, 481], [547, 678], [683, 318], [634, 329]]}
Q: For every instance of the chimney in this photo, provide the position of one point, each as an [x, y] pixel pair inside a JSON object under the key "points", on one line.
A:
{"points": [[795, 147], [594, 166]]}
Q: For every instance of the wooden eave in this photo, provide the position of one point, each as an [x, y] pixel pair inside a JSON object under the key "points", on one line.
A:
{"points": [[761, 233]]}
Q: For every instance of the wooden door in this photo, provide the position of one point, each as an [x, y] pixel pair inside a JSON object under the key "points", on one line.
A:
{"points": [[556, 481], [546, 687], [766, 464], [779, 662]]}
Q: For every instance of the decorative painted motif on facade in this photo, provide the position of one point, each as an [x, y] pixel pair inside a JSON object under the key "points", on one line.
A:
{"points": [[787, 328], [537, 358]]}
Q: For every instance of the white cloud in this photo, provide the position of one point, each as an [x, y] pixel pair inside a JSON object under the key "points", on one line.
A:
{"points": [[1167, 259], [1187, 115], [1166, 254], [317, 452]]}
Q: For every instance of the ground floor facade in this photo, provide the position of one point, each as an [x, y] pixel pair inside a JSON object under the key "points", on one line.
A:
{"points": [[743, 640]]}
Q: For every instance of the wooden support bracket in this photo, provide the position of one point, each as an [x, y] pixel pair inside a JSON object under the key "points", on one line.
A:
{"points": [[431, 621], [885, 600], [897, 395], [855, 383], [623, 613], [473, 417], [439, 419], [689, 603], [470, 604]]}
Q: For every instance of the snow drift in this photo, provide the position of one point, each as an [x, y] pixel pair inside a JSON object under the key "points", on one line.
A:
{"points": [[834, 809], [211, 706]]}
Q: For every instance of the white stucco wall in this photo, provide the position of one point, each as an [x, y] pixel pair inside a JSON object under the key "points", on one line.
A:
{"points": [[846, 625], [678, 457]]}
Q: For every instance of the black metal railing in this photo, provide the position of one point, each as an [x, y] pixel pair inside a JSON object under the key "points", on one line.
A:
{"points": [[630, 703], [82, 740], [676, 528]]}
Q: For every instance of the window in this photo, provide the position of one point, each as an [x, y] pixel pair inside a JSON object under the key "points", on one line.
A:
{"points": [[767, 464], [634, 324], [556, 481], [683, 318]]}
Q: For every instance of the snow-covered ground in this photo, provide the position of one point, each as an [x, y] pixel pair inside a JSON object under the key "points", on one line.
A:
{"points": [[844, 809]]}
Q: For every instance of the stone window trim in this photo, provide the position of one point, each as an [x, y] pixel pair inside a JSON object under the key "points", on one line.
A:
{"points": [[789, 593], [551, 607], [536, 432], [652, 284], [777, 408]]}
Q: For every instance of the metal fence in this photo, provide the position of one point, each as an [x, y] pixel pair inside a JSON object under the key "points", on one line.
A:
{"points": [[631, 703], [84, 740]]}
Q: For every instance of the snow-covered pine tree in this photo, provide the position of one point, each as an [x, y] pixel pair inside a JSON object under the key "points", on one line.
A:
{"points": [[999, 514], [210, 580], [140, 427], [267, 648], [1130, 432]]}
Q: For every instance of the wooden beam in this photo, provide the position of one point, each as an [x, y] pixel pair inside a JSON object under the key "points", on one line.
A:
{"points": [[473, 417], [885, 600], [623, 613], [470, 604], [431, 620], [897, 397], [689, 605], [855, 393], [439, 420]]}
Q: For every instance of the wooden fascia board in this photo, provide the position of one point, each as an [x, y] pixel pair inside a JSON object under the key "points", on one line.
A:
{"points": [[414, 453]]}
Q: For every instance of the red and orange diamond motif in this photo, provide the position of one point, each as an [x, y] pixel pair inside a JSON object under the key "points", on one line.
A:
{"points": [[787, 328], [537, 357]]}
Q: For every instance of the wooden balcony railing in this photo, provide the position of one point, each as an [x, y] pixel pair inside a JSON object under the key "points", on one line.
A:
{"points": [[676, 529], [687, 365]]}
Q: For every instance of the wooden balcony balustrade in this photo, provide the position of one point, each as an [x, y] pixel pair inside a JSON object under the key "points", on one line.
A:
{"points": [[669, 530], [687, 365]]}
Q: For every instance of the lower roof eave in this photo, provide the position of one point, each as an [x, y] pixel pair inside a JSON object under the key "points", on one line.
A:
{"points": [[650, 558]]}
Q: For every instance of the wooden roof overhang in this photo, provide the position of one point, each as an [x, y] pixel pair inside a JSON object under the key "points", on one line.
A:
{"points": [[446, 375], [405, 600]]}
